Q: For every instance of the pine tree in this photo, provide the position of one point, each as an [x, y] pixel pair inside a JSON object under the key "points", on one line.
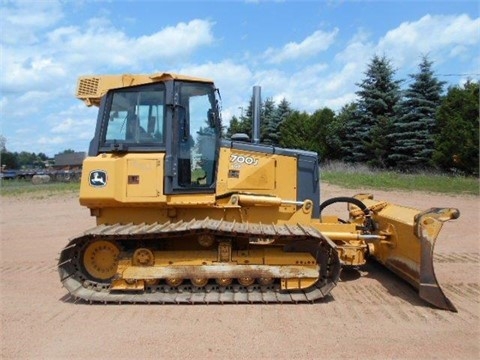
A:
{"points": [[246, 120], [282, 112], [456, 144], [241, 125], [376, 114], [339, 130], [268, 121], [233, 128], [413, 133]]}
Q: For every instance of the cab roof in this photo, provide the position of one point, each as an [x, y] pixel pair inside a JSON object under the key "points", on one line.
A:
{"points": [[91, 88]]}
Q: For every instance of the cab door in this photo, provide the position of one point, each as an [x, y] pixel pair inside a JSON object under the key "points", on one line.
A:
{"points": [[195, 139]]}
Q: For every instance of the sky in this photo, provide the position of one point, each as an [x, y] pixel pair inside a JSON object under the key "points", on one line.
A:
{"points": [[312, 53]]}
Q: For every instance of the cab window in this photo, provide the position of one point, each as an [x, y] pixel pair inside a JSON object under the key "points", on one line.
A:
{"points": [[197, 138], [136, 117]]}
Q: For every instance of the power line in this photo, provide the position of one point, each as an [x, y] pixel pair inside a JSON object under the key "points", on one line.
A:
{"points": [[473, 74]]}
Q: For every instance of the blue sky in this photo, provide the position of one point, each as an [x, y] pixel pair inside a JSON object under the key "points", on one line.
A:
{"points": [[310, 52]]}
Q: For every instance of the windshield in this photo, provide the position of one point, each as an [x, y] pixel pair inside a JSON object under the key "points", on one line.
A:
{"points": [[137, 117]]}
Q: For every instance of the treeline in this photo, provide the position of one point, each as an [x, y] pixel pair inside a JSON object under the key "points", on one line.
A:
{"points": [[413, 129], [24, 159]]}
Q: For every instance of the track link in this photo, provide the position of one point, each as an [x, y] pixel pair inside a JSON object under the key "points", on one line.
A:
{"points": [[296, 237]]}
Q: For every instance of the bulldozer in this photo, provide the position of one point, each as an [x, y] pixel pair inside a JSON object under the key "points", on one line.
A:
{"points": [[186, 216]]}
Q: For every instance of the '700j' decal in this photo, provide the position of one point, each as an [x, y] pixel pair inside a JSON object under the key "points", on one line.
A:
{"points": [[239, 160]]}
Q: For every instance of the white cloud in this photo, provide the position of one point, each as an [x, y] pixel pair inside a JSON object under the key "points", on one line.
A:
{"points": [[337, 103], [28, 104], [70, 50], [227, 72], [439, 36], [313, 44], [65, 126], [358, 49], [3, 103], [57, 140], [22, 19], [343, 78], [101, 44], [176, 40], [25, 72]]}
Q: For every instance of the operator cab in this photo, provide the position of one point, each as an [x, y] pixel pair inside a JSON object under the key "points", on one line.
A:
{"points": [[177, 118]]}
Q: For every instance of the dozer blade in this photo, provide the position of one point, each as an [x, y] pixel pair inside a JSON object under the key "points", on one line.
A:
{"points": [[427, 227], [407, 250]]}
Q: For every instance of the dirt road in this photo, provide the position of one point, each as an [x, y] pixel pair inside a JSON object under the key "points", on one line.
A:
{"points": [[370, 314]]}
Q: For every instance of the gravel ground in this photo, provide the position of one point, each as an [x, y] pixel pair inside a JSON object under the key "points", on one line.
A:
{"points": [[369, 315]]}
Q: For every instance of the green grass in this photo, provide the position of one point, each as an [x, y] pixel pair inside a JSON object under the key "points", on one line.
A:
{"points": [[25, 187], [353, 177]]}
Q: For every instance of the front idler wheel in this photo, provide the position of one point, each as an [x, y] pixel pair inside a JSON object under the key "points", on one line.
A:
{"points": [[100, 259]]}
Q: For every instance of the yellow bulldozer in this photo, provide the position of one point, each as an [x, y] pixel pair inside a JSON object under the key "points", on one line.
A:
{"points": [[184, 216]]}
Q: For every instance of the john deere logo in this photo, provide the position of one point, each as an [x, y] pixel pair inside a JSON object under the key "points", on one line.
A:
{"points": [[98, 178]]}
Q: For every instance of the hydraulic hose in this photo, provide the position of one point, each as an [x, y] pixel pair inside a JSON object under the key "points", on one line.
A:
{"points": [[345, 199], [369, 224]]}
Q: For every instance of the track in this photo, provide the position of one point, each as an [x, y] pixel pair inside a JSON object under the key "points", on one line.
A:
{"points": [[298, 238]]}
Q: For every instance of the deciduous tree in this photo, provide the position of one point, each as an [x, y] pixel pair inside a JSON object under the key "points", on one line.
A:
{"points": [[456, 144]]}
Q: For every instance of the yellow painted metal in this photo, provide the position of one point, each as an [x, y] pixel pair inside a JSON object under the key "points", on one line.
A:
{"points": [[249, 200], [174, 282], [119, 170], [405, 244], [191, 200], [101, 259], [142, 177], [397, 222], [276, 256], [245, 257], [352, 253], [248, 171], [193, 257], [143, 257], [296, 284], [297, 270], [351, 249], [266, 174], [125, 285], [258, 256], [223, 281], [199, 282]]}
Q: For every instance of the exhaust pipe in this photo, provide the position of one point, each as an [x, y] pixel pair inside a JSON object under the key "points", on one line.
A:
{"points": [[257, 105]]}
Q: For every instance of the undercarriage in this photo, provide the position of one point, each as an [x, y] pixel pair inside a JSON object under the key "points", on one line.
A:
{"points": [[201, 261]]}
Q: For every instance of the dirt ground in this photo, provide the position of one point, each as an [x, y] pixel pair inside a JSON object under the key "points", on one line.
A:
{"points": [[369, 315]]}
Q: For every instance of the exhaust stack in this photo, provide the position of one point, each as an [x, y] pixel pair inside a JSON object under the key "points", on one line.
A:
{"points": [[257, 105]]}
